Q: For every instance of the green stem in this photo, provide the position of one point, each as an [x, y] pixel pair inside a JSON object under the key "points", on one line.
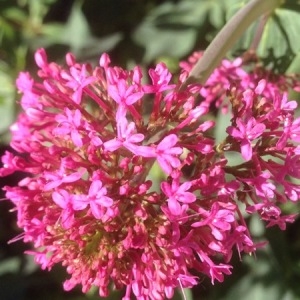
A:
{"points": [[227, 37]]}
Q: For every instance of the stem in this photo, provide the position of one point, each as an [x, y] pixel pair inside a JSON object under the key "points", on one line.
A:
{"points": [[259, 32], [227, 37]]}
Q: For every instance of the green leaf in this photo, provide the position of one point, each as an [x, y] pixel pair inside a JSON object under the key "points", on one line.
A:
{"points": [[76, 29], [173, 29], [77, 35], [157, 42], [10, 265], [15, 14], [6, 32], [7, 102], [279, 42]]}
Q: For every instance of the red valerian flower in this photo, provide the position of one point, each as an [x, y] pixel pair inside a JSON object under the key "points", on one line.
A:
{"points": [[246, 132], [177, 193], [89, 148]]}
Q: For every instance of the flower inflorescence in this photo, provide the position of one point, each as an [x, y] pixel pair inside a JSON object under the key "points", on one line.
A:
{"points": [[89, 138]]}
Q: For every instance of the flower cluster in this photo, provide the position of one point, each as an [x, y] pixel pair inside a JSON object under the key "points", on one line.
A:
{"points": [[89, 138]]}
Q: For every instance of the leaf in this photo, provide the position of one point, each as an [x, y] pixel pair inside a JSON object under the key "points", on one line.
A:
{"points": [[7, 102], [76, 29], [15, 14], [279, 43], [173, 29], [76, 34], [157, 42], [10, 265], [262, 279]]}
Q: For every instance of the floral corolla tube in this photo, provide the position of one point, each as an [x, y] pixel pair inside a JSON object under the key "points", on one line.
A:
{"points": [[88, 139]]}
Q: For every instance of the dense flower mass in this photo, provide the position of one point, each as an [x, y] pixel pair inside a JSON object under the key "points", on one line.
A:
{"points": [[89, 138]]}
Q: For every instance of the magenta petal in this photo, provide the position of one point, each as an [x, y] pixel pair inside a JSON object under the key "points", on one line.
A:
{"points": [[114, 93], [257, 130], [104, 60], [165, 187], [164, 165], [291, 105], [79, 202], [95, 187], [133, 98], [112, 145], [74, 177], [234, 132], [77, 95], [187, 197], [60, 198], [175, 151], [168, 142], [105, 201], [174, 206], [76, 138], [67, 218], [61, 118], [185, 186], [122, 87], [174, 161], [246, 150], [52, 184], [40, 57], [136, 138], [143, 151], [77, 118], [218, 234], [260, 86], [96, 210]]}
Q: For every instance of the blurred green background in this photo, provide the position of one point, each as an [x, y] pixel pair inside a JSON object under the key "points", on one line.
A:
{"points": [[139, 32]]}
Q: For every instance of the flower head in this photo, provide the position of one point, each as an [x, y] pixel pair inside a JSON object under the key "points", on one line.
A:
{"points": [[89, 151]]}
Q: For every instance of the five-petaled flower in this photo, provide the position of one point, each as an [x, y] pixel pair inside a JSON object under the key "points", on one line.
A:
{"points": [[246, 131]]}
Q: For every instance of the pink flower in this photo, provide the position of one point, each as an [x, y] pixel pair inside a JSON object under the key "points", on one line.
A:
{"points": [[166, 153], [264, 188], [177, 193], [78, 80], [126, 137], [160, 77], [125, 96], [70, 123], [97, 199], [65, 201], [246, 132], [56, 179]]}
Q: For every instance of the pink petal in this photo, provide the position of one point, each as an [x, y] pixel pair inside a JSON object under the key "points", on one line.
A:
{"points": [[134, 98], [95, 188], [105, 201], [164, 164], [76, 138], [174, 206], [168, 142], [96, 210], [112, 145], [165, 187], [60, 198], [136, 138], [144, 151]]}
